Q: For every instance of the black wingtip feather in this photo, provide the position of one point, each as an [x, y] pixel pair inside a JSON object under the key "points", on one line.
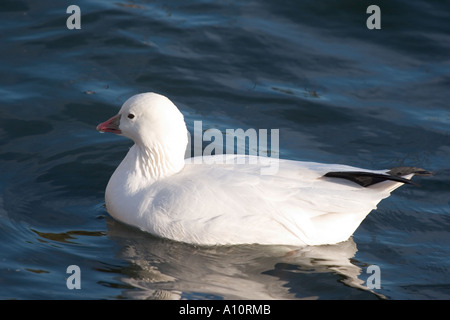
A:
{"points": [[367, 179]]}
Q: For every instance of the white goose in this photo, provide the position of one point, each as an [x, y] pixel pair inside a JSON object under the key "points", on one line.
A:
{"points": [[305, 203]]}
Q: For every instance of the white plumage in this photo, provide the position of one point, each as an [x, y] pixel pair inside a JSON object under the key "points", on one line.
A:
{"points": [[157, 190]]}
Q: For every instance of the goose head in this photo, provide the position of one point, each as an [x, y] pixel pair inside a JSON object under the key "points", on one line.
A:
{"points": [[155, 125]]}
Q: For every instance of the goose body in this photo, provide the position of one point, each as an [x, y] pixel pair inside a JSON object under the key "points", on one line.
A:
{"points": [[214, 201]]}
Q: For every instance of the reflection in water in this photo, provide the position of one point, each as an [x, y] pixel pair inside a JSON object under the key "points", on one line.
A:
{"points": [[163, 269], [66, 237]]}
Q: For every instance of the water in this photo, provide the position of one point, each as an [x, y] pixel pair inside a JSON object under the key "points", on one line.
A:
{"points": [[338, 93]]}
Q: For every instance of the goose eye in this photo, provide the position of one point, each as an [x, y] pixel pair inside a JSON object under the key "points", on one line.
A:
{"points": [[130, 116]]}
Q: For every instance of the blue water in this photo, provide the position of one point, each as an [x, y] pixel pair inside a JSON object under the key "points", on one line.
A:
{"points": [[337, 91]]}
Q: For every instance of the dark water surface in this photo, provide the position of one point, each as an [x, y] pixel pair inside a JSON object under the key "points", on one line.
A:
{"points": [[337, 91]]}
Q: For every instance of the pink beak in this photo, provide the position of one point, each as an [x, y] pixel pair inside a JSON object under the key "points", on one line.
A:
{"points": [[111, 125]]}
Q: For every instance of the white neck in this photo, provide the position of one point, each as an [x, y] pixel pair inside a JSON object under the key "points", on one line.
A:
{"points": [[143, 166], [155, 163]]}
